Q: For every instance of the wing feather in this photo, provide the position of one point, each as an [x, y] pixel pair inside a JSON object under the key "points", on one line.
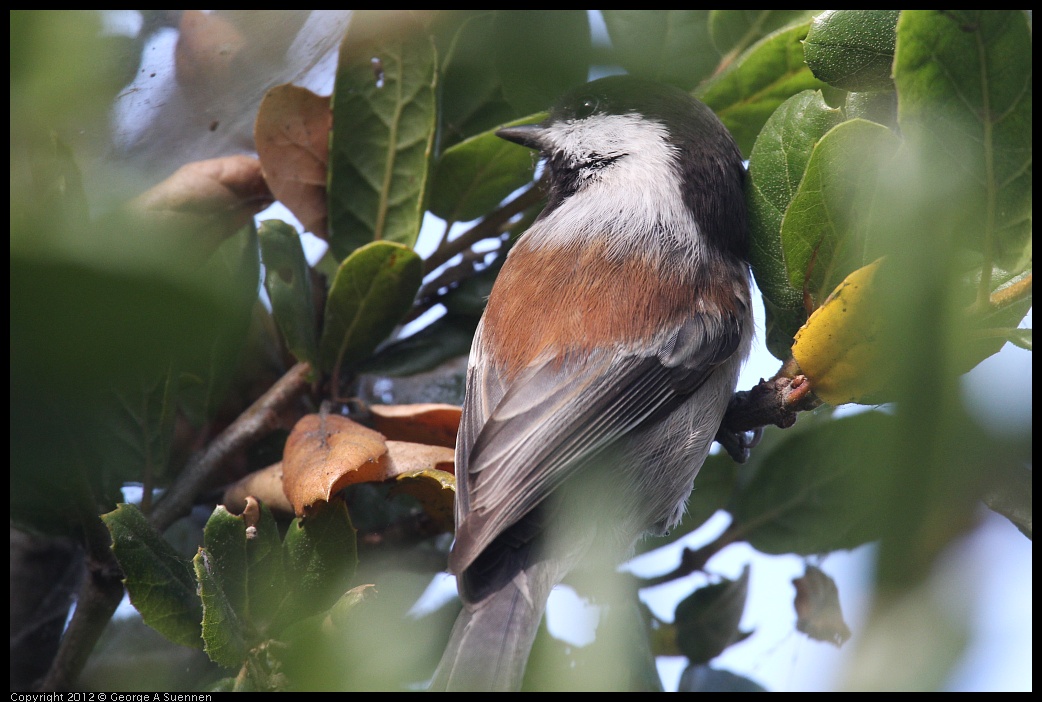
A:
{"points": [[520, 442]]}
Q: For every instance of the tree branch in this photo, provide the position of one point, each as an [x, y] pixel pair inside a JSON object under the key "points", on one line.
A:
{"points": [[260, 418], [100, 594]]}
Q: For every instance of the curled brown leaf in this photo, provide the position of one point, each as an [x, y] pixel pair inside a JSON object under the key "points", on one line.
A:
{"points": [[292, 138], [326, 453], [208, 200], [427, 423], [818, 614], [265, 485], [206, 51]]}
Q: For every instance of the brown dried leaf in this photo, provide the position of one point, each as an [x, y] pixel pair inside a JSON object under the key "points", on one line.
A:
{"points": [[408, 457], [265, 485], [324, 454], [211, 199], [207, 46], [423, 423], [818, 614], [292, 138]]}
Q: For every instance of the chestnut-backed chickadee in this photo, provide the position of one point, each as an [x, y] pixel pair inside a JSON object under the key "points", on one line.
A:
{"points": [[603, 364]]}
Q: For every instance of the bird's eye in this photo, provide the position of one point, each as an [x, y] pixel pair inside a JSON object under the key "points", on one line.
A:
{"points": [[587, 107]]}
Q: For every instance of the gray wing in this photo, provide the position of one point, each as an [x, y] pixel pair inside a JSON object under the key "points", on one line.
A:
{"points": [[518, 443]]}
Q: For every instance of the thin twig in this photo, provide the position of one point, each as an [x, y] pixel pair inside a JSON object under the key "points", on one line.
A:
{"points": [[488, 227], [260, 418], [692, 560]]}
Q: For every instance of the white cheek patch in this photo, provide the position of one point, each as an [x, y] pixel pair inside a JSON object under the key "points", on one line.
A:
{"points": [[636, 200], [609, 136]]}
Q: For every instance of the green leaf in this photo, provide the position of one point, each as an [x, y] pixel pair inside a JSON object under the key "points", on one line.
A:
{"points": [[853, 49], [1021, 338], [208, 375], [734, 31], [265, 570], [878, 107], [160, 583], [819, 489], [540, 55], [224, 633], [776, 167], [136, 429], [443, 339], [320, 556], [342, 610], [471, 93], [383, 131], [964, 82], [224, 539], [474, 176], [707, 619], [670, 46], [288, 282], [373, 289], [825, 228], [991, 327], [751, 89]]}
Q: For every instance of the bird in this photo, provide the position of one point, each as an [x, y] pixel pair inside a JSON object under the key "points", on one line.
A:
{"points": [[604, 361]]}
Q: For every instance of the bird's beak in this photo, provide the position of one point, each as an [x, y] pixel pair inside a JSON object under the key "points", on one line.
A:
{"points": [[530, 135]]}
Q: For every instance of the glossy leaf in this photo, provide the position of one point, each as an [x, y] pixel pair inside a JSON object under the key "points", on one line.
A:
{"points": [[734, 31], [444, 339], [1021, 338], [208, 375], [474, 176], [265, 570], [287, 279], [853, 49], [825, 228], [776, 168], [159, 581], [136, 428], [373, 289], [383, 131], [751, 89]]}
